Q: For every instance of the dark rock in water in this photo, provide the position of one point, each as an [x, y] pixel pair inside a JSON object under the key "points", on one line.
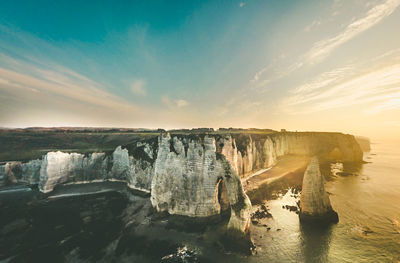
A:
{"points": [[315, 205], [296, 191], [182, 255], [345, 174], [366, 230], [291, 208], [261, 213]]}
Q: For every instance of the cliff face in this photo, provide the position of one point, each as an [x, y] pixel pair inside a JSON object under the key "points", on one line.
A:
{"points": [[187, 178], [364, 142], [251, 153], [314, 200], [60, 168], [191, 175], [18, 172]]}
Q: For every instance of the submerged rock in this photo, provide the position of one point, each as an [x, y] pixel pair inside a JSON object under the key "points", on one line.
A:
{"points": [[291, 208], [314, 200], [261, 213], [183, 254]]}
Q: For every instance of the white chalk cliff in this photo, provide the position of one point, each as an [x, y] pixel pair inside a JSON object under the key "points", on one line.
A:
{"points": [[190, 175], [187, 177], [314, 200]]}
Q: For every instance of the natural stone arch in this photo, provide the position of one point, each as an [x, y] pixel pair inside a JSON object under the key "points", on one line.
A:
{"points": [[239, 202], [221, 195], [335, 155], [187, 182]]}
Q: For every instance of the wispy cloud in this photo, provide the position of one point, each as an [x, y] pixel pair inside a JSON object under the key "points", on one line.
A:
{"points": [[258, 74], [138, 87], [389, 104], [376, 14], [241, 4], [324, 79], [33, 94], [62, 82], [314, 24], [174, 103], [323, 48], [380, 87]]}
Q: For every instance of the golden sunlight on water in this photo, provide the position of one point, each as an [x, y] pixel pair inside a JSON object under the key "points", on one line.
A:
{"points": [[366, 199]]}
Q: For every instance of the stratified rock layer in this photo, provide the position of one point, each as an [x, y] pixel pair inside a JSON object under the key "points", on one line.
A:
{"points": [[314, 200], [195, 175], [59, 167], [18, 172], [251, 153], [186, 181]]}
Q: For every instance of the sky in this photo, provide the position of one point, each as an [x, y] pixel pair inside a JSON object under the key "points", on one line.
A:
{"points": [[299, 65]]}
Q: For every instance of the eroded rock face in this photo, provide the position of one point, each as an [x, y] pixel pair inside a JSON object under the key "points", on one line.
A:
{"points": [[140, 174], [31, 172], [3, 176], [58, 168], [121, 166], [246, 154], [9, 172], [186, 182], [18, 172], [314, 200], [249, 153], [191, 175], [239, 201]]}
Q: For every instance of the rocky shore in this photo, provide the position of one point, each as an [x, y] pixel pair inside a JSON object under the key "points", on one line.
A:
{"points": [[192, 175]]}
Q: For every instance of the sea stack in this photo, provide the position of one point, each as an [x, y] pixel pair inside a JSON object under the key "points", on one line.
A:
{"points": [[315, 205]]}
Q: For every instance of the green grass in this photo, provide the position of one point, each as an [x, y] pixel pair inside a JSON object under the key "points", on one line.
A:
{"points": [[23, 146]]}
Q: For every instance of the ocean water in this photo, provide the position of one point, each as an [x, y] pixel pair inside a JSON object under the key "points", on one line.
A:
{"points": [[113, 225], [367, 200]]}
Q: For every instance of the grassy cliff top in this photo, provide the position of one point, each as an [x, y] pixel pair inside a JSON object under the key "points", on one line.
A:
{"points": [[32, 143]]}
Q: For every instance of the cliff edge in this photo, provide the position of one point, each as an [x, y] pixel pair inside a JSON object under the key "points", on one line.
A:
{"points": [[194, 175]]}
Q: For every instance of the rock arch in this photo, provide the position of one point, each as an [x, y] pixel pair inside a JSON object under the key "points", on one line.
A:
{"points": [[221, 195], [335, 155]]}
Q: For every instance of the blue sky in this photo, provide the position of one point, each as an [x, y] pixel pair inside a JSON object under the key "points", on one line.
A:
{"points": [[306, 65]]}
